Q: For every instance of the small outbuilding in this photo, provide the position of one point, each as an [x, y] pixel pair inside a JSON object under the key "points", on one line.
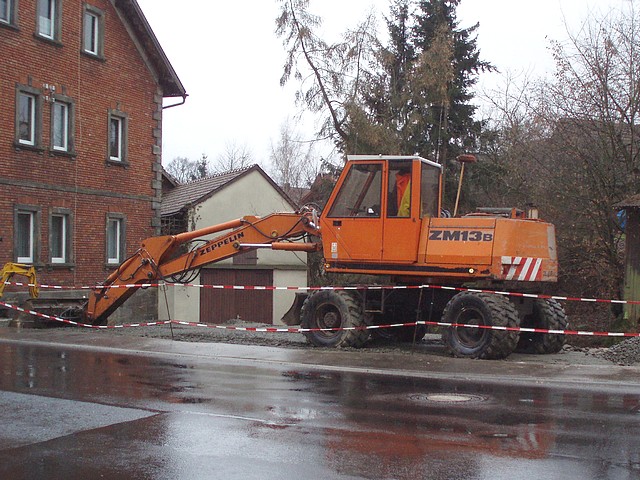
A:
{"points": [[631, 292], [218, 199]]}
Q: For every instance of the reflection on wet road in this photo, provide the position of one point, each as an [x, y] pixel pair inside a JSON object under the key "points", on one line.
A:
{"points": [[81, 414]]}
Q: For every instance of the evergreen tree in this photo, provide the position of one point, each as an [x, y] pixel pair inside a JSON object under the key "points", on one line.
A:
{"points": [[457, 128], [417, 100]]}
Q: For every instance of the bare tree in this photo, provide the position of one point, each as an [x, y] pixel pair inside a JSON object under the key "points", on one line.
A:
{"points": [[330, 75], [235, 156], [292, 159], [570, 143], [185, 170]]}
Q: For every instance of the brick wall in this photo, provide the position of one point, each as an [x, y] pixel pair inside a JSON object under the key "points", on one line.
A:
{"points": [[86, 184]]}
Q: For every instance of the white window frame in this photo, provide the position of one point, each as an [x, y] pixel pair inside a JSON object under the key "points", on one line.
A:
{"points": [[113, 120], [117, 221], [117, 121], [34, 113], [31, 118], [47, 19], [93, 31], [64, 237], [62, 124], [6, 15], [31, 235]]}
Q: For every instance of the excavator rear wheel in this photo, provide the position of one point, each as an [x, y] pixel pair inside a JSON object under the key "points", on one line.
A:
{"points": [[330, 309], [547, 314], [482, 309]]}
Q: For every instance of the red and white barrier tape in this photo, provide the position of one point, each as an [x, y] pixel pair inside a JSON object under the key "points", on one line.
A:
{"points": [[358, 287], [78, 324], [305, 330]]}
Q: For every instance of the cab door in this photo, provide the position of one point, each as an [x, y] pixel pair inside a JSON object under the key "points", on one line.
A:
{"points": [[401, 219], [352, 228]]}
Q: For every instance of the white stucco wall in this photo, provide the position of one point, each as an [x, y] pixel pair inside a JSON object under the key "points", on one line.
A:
{"points": [[250, 195], [283, 299], [183, 303]]}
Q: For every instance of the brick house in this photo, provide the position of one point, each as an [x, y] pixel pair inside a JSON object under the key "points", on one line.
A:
{"points": [[82, 85], [218, 199]]}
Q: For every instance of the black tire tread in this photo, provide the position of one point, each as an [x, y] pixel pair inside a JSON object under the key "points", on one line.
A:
{"points": [[503, 313], [345, 338]]}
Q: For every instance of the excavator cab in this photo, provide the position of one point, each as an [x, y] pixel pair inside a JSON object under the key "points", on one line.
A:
{"points": [[376, 212]]}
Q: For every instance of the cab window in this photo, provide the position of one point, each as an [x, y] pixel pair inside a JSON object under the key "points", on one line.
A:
{"points": [[360, 193], [399, 190], [429, 190]]}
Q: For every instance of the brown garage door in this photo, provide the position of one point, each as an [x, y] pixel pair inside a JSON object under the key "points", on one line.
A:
{"points": [[218, 306]]}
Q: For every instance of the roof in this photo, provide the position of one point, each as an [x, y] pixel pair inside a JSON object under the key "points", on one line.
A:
{"points": [[188, 194], [167, 77], [633, 202]]}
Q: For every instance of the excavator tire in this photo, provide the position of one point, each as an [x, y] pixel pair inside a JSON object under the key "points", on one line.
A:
{"points": [[547, 314], [334, 309], [472, 308]]}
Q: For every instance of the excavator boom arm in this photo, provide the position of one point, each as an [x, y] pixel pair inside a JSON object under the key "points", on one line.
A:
{"points": [[160, 257]]}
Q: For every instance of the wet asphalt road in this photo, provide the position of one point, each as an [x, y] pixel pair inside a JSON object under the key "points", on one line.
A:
{"points": [[167, 411]]}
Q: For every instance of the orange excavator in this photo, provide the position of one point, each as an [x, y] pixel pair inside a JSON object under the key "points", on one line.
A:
{"points": [[385, 218]]}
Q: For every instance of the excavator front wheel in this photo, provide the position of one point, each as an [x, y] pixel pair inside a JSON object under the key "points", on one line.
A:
{"points": [[327, 310], [481, 309]]}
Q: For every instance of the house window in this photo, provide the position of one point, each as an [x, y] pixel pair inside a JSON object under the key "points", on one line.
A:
{"points": [[28, 118], [92, 31], [117, 137], [5, 9], [115, 238], [62, 124], [60, 236], [26, 221], [7, 12], [25, 237], [49, 19]]}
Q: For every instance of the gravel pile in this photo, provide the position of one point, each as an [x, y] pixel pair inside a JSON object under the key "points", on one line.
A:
{"points": [[626, 352]]}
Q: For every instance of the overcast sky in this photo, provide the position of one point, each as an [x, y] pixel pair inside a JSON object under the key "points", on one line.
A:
{"points": [[230, 60]]}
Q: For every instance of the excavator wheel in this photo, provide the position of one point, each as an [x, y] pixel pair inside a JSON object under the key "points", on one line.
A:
{"points": [[547, 314], [470, 308], [334, 309]]}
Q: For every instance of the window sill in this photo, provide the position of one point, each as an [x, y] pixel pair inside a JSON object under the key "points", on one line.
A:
{"points": [[118, 163], [37, 265], [62, 153], [60, 266], [95, 56], [10, 26], [32, 148], [51, 41]]}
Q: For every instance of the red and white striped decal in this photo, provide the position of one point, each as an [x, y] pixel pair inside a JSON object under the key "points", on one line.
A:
{"points": [[523, 269]]}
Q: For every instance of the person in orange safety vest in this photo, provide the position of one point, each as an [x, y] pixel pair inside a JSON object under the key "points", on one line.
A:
{"points": [[403, 193]]}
